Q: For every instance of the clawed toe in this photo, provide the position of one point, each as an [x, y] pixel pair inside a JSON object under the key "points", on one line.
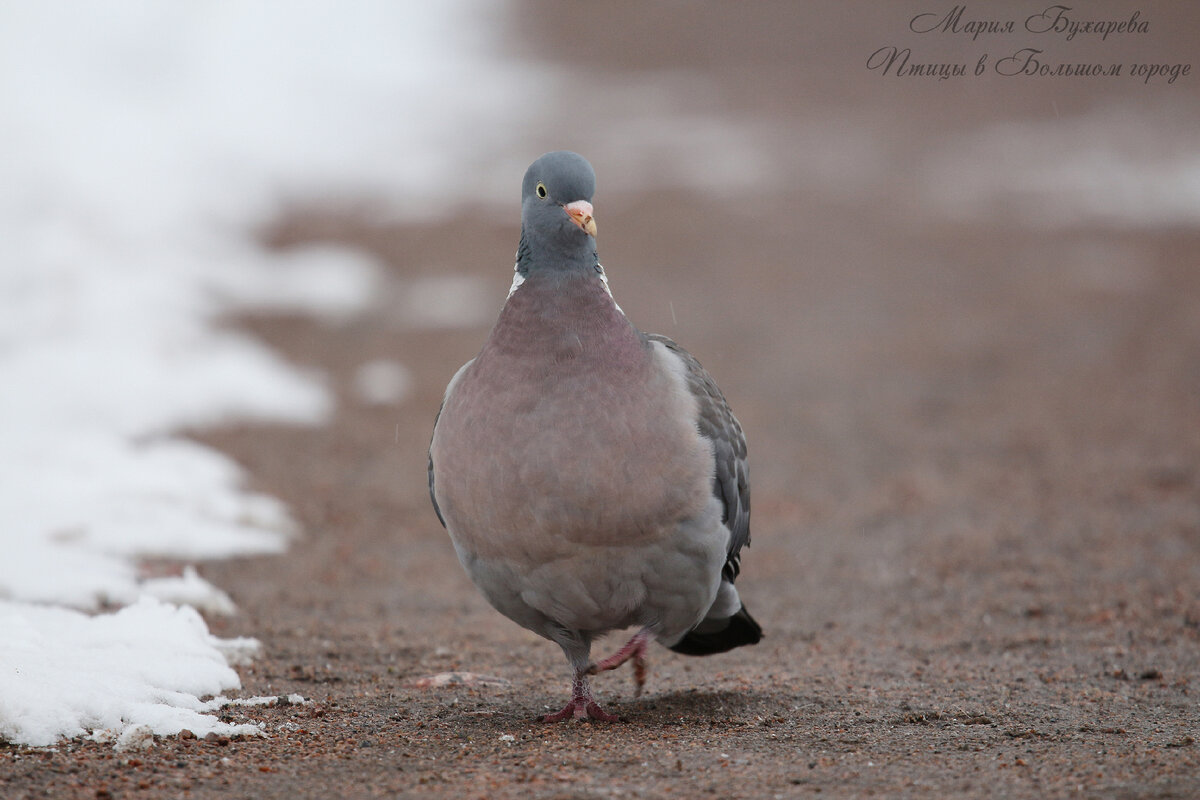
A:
{"points": [[581, 708], [581, 704], [596, 712]]}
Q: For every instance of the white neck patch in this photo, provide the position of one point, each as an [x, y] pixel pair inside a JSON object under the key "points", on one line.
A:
{"points": [[518, 279], [604, 281]]}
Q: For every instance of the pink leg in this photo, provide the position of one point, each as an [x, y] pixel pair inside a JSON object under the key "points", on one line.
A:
{"points": [[581, 705], [634, 649]]}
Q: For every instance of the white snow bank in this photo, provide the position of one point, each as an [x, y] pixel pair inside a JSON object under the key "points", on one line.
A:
{"points": [[79, 503], [145, 145], [64, 673]]}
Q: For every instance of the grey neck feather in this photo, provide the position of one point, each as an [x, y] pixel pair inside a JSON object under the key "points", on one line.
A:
{"points": [[575, 252]]}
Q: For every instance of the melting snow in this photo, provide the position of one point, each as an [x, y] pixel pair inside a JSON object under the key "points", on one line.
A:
{"points": [[145, 145]]}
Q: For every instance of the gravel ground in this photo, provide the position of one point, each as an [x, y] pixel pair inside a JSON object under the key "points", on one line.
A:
{"points": [[975, 447]]}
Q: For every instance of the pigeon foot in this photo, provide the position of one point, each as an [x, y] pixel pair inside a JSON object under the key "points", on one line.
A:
{"points": [[635, 650], [581, 704], [581, 708]]}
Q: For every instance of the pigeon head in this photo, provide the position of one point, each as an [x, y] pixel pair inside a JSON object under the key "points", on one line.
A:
{"points": [[557, 228]]}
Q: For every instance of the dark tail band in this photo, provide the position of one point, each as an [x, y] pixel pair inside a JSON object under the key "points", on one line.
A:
{"points": [[740, 630]]}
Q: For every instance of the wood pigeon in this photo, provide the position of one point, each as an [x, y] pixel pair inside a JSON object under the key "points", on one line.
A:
{"points": [[591, 476]]}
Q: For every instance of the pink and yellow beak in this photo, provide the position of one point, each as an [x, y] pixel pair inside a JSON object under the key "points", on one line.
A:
{"points": [[580, 213]]}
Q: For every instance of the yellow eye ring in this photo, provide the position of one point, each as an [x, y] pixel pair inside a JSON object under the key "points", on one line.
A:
{"points": [[541, 190]]}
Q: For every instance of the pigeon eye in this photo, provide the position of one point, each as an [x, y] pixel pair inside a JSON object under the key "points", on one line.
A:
{"points": [[541, 190]]}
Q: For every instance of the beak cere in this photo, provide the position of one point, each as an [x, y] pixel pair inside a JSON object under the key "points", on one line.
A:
{"points": [[580, 213]]}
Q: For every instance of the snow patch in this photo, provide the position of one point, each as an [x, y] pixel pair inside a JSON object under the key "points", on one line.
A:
{"points": [[64, 673], [149, 145], [191, 590]]}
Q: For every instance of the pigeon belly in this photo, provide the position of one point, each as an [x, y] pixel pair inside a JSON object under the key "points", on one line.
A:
{"points": [[556, 516]]}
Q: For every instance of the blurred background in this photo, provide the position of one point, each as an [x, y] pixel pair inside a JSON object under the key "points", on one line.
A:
{"points": [[959, 318]]}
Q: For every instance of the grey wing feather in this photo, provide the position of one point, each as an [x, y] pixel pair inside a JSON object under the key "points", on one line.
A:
{"points": [[731, 479]]}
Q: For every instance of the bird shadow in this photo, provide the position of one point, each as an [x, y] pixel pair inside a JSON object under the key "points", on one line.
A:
{"points": [[660, 710], [681, 705]]}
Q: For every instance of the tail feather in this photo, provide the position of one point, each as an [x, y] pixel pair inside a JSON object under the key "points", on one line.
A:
{"points": [[719, 635]]}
